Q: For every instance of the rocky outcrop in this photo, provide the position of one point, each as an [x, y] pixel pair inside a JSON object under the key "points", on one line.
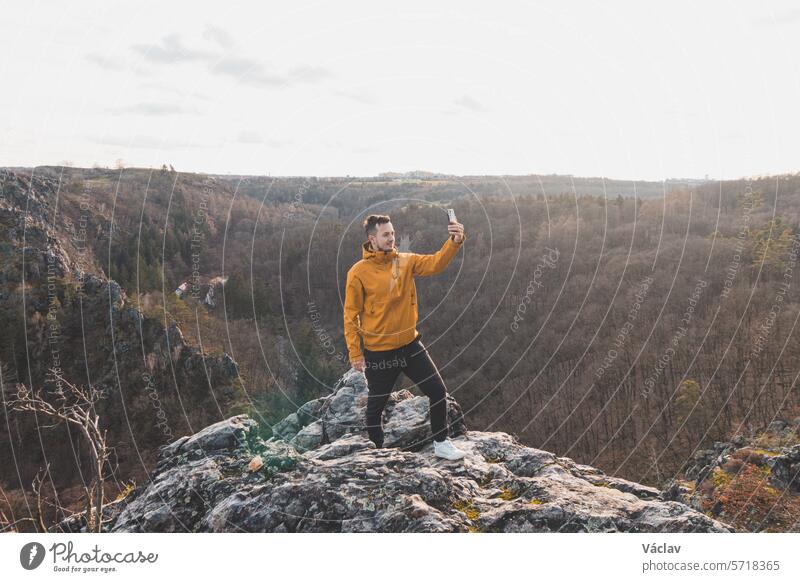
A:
{"points": [[60, 311], [210, 290], [752, 481], [227, 479], [785, 469], [38, 252], [327, 419]]}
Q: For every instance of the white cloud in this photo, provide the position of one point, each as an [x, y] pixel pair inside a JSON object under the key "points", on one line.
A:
{"points": [[248, 136], [618, 90], [139, 141], [170, 51], [155, 109], [219, 36], [467, 102]]}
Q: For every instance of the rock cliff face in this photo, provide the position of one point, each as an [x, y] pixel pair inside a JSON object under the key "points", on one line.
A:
{"points": [[751, 482], [323, 475], [58, 309], [40, 275]]}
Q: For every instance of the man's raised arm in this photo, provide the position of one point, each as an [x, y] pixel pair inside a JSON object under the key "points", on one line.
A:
{"points": [[424, 265], [353, 305]]}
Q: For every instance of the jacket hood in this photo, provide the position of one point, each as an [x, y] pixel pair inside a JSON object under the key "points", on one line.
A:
{"points": [[367, 253]]}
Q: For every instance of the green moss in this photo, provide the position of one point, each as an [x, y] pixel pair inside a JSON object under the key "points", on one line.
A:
{"points": [[278, 463], [770, 491], [535, 501], [508, 494], [468, 508], [601, 484], [277, 456], [125, 492], [720, 478], [263, 430]]}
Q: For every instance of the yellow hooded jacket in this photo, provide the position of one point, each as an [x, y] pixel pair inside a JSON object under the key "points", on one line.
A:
{"points": [[380, 304]]}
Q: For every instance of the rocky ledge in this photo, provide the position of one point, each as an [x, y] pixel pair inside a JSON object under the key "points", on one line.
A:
{"points": [[320, 473]]}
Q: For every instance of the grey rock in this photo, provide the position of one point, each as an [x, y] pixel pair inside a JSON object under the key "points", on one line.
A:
{"points": [[225, 435], [349, 486], [309, 438], [785, 469], [777, 426], [347, 445], [228, 366], [210, 482], [406, 418], [287, 428]]}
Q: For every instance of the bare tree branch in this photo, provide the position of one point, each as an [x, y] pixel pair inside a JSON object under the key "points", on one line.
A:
{"points": [[36, 486], [76, 407], [11, 526]]}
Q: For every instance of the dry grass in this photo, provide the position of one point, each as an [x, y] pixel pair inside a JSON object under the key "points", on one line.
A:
{"points": [[749, 503]]}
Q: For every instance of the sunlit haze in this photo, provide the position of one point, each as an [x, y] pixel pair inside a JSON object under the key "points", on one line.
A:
{"points": [[632, 90]]}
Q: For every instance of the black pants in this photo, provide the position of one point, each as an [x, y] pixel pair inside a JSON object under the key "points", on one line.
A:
{"points": [[383, 368]]}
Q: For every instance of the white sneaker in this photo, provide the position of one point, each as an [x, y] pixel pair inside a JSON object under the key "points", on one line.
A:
{"points": [[446, 450]]}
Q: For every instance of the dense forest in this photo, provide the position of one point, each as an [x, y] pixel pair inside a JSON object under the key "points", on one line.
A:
{"points": [[624, 325]]}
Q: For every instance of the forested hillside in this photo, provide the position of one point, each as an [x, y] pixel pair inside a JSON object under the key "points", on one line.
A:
{"points": [[624, 326]]}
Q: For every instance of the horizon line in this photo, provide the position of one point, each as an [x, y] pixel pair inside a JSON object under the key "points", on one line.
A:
{"points": [[404, 175]]}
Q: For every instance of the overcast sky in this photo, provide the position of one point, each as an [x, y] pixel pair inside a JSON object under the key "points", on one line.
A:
{"points": [[627, 90]]}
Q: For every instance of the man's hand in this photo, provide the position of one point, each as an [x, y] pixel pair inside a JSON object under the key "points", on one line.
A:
{"points": [[359, 365], [457, 230]]}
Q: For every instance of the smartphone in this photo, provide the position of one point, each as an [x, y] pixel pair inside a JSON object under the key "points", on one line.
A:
{"points": [[451, 215]]}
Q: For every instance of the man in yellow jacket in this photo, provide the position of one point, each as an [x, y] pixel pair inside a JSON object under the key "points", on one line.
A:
{"points": [[380, 310]]}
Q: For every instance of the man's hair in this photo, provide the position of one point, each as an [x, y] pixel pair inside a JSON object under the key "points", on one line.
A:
{"points": [[373, 220]]}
